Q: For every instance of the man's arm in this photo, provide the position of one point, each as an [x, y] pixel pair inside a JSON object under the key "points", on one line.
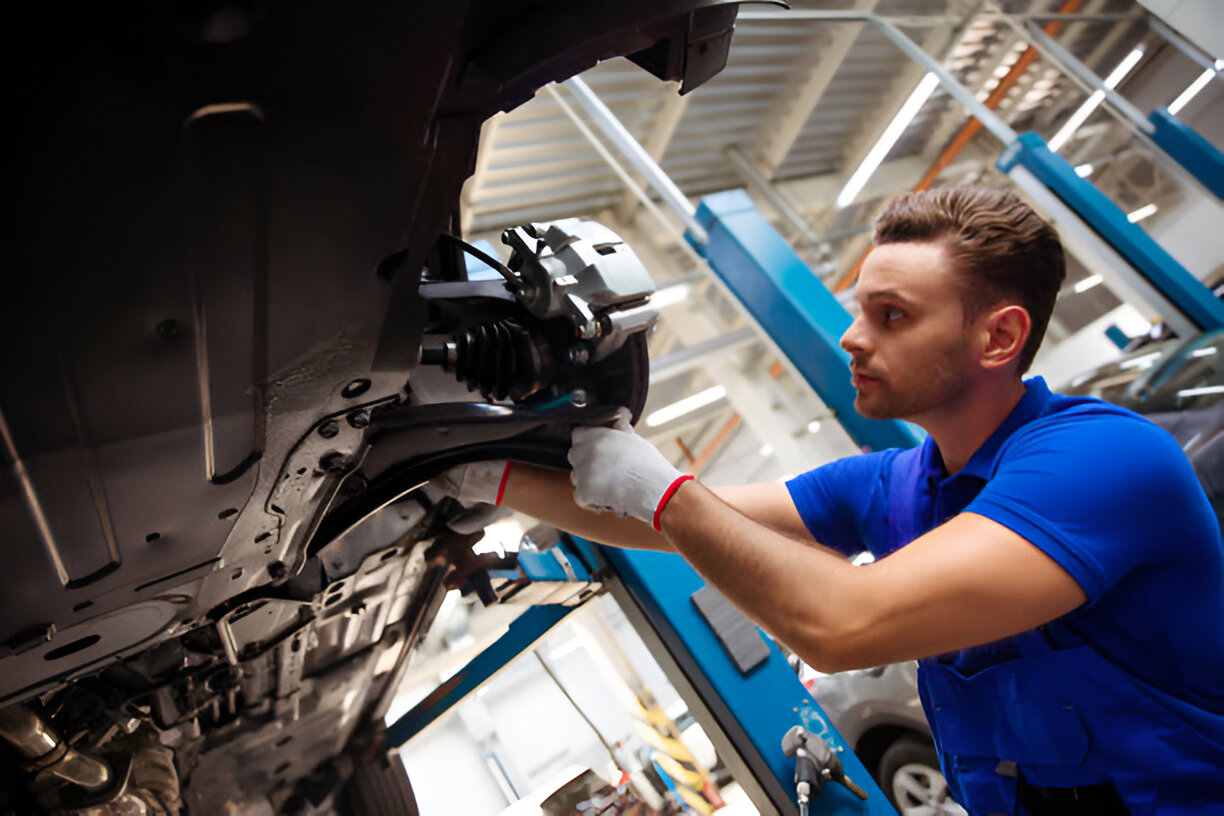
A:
{"points": [[967, 582], [548, 495]]}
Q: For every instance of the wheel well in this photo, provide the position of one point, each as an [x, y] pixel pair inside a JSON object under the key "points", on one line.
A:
{"points": [[875, 741]]}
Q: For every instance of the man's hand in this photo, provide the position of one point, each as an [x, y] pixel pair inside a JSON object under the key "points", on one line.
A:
{"points": [[616, 470], [476, 482]]}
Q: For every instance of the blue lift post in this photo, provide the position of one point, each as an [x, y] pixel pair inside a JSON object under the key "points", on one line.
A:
{"points": [[755, 708], [1187, 147], [790, 303]]}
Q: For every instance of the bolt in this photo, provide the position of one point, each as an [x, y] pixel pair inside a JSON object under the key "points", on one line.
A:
{"points": [[277, 570], [359, 419], [353, 485], [578, 355], [329, 429], [332, 462], [579, 398]]}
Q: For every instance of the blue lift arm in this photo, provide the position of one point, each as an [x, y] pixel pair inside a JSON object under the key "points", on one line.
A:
{"points": [[1184, 291]]}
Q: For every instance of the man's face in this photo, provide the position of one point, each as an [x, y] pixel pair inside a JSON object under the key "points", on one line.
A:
{"points": [[909, 348]]}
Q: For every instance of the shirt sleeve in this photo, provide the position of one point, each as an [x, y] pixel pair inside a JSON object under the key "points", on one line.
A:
{"points": [[833, 500], [1102, 495]]}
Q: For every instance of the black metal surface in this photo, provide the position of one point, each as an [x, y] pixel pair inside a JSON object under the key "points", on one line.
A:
{"points": [[205, 192], [196, 346]]}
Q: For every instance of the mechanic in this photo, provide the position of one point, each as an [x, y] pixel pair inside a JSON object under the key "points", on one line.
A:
{"points": [[1052, 561]]}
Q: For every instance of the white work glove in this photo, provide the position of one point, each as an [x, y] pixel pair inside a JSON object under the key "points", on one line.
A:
{"points": [[616, 470], [476, 482]]}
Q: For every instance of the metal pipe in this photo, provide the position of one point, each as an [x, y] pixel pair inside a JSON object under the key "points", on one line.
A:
{"points": [[27, 732], [1086, 17], [691, 357], [39, 742], [638, 157], [770, 193], [989, 119], [1088, 76]]}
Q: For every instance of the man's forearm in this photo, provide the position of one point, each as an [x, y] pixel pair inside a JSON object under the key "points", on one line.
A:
{"points": [[795, 590], [548, 495]]}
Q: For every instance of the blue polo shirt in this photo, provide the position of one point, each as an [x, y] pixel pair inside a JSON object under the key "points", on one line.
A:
{"points": [[1105, 493]]}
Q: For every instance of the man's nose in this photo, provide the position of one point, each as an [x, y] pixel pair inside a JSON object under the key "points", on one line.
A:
{"points": [[854, 339]]}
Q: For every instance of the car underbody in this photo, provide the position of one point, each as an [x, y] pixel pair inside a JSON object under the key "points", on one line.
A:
{"points": [[240, 340]]}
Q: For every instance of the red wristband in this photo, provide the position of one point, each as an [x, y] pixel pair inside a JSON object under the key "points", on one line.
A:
{"points": [[501, 488], [667, 494]]}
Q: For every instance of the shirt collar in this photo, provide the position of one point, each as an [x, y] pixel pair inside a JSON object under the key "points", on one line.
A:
{"points": [[1032, 405]]}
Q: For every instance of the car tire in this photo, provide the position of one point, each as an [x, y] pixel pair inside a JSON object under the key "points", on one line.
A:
{"points": [[910, 777], [378, 788]]}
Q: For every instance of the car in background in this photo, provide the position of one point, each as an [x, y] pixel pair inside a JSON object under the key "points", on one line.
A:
{"points": [[1179, 385], [1176, 383]]}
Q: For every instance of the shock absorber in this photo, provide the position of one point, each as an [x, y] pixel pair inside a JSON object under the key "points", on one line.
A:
{"points": [[502, 359]]}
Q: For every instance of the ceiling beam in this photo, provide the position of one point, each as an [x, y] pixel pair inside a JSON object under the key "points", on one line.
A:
{"points": [[801, 93], [938, 42], [668, 120]]}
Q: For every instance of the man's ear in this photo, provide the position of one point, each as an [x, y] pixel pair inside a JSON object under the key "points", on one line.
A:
{"points": [[1005, 330]]}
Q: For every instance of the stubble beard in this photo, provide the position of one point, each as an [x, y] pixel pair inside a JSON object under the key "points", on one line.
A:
{"points": [[926, 391]]}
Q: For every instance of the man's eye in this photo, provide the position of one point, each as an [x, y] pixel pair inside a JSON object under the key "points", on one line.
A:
{"points": [[892, 313]]}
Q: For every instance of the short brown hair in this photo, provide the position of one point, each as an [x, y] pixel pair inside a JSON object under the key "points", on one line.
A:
{"points": [[1002, 249]]}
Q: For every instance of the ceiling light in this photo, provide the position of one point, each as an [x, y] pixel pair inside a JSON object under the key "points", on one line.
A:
{"points": [[888, 138], [1197, 85], [1083, 170], [685, 406], [1141, 362], [767, 450], [1201, 391], [1087, 283], [1141, 213], [814, 426], [1085, 110]]}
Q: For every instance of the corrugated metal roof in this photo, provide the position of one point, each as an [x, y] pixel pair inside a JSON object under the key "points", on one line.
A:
{"points": [[786, 105]]}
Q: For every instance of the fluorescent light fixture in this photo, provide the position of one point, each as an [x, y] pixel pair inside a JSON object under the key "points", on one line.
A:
{"points": [[1083, 170], [686, 406], [767, 450], [1201, 391], [1085, 110], [1087, 283], [669, 295], [1204, 352], [1192, 90], [1141, 362], [1141, 213], [887, 139], [814, 426]]}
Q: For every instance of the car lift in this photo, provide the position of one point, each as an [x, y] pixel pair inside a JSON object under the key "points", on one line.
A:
{"points": [[737, 683]]}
